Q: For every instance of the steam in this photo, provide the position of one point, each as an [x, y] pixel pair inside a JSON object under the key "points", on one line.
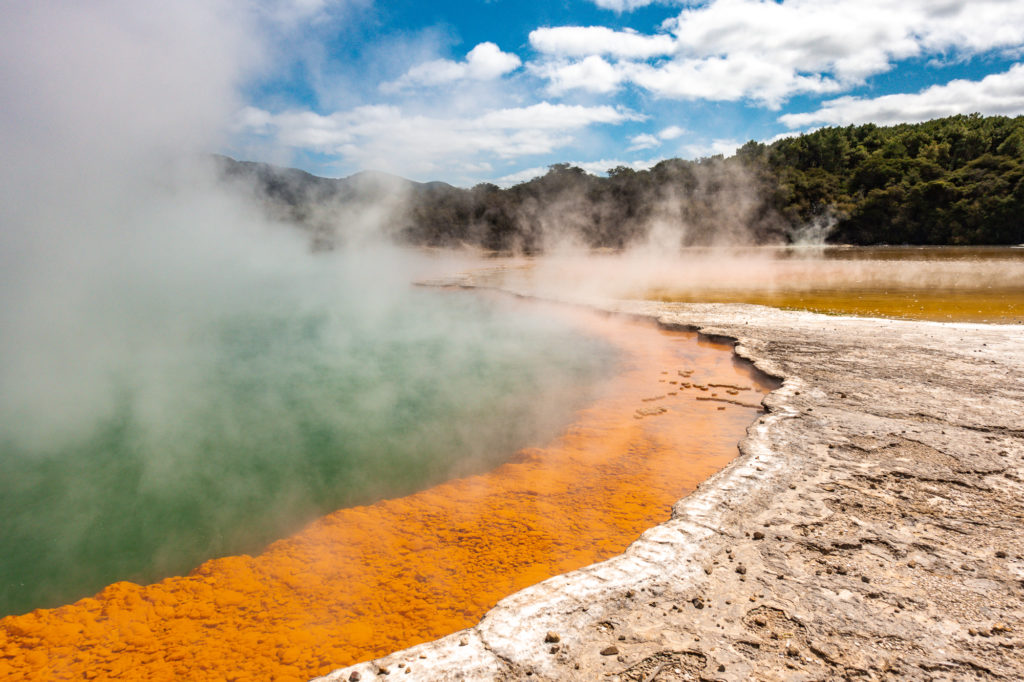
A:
{"points": [[160, 326]]}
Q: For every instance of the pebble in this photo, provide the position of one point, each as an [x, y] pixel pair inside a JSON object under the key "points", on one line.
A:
{"points": [[610, 650], [758, 535], [355, 677], [697, 602], [741, 569], [552, 637]]}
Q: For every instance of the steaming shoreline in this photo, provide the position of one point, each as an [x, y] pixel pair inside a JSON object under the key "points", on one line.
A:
{"points": [[870, 525]]}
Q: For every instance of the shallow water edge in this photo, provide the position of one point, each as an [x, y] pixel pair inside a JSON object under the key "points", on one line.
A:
{"points": [[819, 551]]}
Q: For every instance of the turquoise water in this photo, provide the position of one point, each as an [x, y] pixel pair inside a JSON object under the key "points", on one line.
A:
{"points": [[194, 436]]}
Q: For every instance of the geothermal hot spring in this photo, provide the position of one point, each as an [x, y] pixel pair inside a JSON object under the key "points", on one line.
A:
{"points": [[277, 474], [312, 462]]}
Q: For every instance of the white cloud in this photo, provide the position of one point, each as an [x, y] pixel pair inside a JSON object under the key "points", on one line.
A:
{"points": [[648, 141], [671, 133], [644, 141], [725, 78], [583, 41], [999, 93], [769, 51], [622, 5], [592, 74], [389, 138], [484, 62]]}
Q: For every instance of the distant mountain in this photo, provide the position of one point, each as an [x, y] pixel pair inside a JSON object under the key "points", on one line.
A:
{"points": [[957, 180]]}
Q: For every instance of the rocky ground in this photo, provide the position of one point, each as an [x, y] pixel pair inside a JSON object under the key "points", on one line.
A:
{"points": [[871, 528]]}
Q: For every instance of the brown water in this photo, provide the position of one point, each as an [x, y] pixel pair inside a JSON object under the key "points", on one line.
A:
{"points": [[364, 581]]}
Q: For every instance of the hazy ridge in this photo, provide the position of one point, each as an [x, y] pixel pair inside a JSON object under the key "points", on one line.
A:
{"points": [[956, 180]]}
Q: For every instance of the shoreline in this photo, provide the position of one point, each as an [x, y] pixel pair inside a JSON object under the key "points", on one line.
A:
{"points": [[362, 581], [870, 526]]}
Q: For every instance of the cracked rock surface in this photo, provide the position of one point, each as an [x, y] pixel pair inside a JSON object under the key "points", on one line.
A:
{"points": [[870, 528]]}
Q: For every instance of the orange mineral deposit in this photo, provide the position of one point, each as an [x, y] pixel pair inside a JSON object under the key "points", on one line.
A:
{"points": [[365, 581]]}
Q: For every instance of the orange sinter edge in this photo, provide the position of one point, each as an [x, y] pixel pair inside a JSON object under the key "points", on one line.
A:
{"points": [[362, 582]]}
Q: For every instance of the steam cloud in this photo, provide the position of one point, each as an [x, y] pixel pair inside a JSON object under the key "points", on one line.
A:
{"points": [[141, 305]]}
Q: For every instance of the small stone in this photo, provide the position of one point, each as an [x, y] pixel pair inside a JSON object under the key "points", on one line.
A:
{"points": [[383, 671], [865, 579], [552, 637], [791, 650], [629, 594], [721, 668], [760, 622], [1000, 554], [697, 602], [610, 651], [463, 642], [758, 535], [622, 638], [554, 649], [741, 569], [355, 677]]}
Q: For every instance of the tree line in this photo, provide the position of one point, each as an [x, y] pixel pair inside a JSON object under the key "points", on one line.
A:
{"points": [[956, 180]]}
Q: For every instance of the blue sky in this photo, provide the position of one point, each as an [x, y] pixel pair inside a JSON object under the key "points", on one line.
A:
{"points": [[496, 90]]}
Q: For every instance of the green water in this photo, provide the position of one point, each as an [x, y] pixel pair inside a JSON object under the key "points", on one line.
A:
{"points": [[200, 438]]}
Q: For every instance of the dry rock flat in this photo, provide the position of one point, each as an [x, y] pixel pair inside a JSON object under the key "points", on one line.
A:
{"points": [[871, 528]]}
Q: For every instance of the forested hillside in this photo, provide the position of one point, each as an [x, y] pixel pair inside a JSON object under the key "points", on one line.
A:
{"points": [[957, 180]]}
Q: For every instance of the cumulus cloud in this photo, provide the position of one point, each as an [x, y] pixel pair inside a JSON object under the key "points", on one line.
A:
{"points": [[644, 141], [648, 141], [484, 62], [671, 133], [582, 41], [592, 74], [622, 5], [996, 94], [390, 138], [770, 51]]}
